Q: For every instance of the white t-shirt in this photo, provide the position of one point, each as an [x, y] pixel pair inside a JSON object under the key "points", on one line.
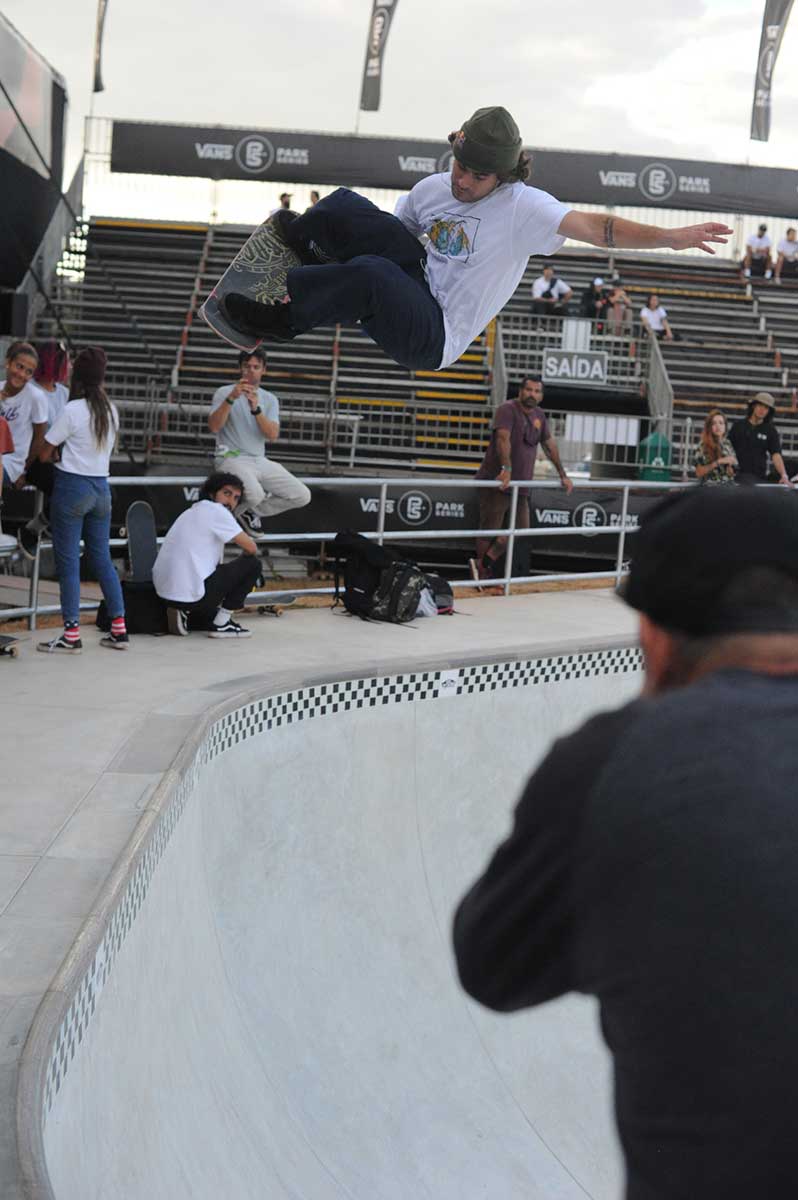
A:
{"points": [[555, 287], [80, 454], [758, 243], [56, 401], [23, 411], [788, 249], [477, 252], [654, 317], [191, 551]]}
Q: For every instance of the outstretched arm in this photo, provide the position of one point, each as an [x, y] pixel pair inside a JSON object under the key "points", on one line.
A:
{"points": [[603, 229]]}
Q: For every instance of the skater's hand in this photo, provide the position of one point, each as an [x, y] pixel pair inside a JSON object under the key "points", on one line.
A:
{"points": [[698, 236]]}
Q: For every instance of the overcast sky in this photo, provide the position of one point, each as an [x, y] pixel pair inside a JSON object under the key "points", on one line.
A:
{"points": [[618, 76]]}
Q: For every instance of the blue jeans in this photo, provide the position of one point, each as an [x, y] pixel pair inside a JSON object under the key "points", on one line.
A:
{"points": [[81, 507]]}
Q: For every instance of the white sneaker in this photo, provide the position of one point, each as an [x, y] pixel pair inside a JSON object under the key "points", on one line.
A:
{"points": [[230, 629], [777, 281], [768, 274], [747, 272]]}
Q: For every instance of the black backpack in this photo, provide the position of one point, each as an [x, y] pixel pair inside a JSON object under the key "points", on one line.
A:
{"points": [[363, 564], [399, 591]]}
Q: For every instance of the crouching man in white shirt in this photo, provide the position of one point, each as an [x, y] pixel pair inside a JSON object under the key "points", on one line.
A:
{"points": [[187, 573]]}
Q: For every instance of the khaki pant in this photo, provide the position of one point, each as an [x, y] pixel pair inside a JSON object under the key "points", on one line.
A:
{"points": [[268, 488]]}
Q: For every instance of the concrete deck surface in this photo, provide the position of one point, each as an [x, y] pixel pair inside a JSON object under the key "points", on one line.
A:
{"points": [[88, 740]]}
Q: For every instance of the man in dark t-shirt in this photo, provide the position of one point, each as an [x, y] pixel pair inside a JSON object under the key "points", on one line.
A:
{"points": [[653, 862], [519, 427], [756, 437]]}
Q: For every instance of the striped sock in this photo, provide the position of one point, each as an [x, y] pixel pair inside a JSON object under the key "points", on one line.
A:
{"points": [[71, 631], [118, 626]]}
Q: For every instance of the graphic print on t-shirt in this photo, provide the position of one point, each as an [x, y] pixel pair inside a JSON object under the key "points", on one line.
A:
{"points": [[454, 236]]}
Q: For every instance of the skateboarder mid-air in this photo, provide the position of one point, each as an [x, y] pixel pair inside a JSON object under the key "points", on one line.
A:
{"points": [[344, 260]]}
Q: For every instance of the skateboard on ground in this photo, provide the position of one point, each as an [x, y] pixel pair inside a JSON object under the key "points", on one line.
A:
{"points": [[276, 609], [9, 646], [259, 272], [142, 541]]}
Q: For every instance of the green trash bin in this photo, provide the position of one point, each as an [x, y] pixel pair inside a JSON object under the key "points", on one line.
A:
{"points": [[654, 458]]}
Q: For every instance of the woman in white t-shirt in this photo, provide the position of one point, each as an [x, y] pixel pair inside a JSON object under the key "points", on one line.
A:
{"points": [[24, 407], [655, 318], [50, 376], [81, 501], [199, 590]]}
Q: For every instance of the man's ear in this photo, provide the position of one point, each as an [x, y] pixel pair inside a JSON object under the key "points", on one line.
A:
{"points": [[658, 647]]}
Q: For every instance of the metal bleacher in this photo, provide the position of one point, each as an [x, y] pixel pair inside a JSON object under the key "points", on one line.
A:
{"points": [[144, 281]]}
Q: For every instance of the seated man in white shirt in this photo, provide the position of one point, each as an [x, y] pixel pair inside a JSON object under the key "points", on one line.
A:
{"points": [[787, 262], [757, 259], [550, 295], [655, 318], [201, 591]]}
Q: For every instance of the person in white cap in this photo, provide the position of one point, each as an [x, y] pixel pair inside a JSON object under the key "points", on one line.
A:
{"points": [[593, 301]]}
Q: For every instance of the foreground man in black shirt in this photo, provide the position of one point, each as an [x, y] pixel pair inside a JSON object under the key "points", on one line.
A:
{"points": [[756, 437], [654, 861]]}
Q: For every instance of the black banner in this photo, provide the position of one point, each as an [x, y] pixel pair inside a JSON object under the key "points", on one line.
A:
{"points": [[382, 13], [774, 21], [218, 152], [98, 85]]}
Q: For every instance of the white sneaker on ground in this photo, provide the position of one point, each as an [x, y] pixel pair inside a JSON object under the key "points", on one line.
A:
{"points": [[230, 629], [768, 274]]}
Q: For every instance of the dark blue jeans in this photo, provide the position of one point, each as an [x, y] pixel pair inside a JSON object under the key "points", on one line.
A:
{"points": [[81, 508], [376, 276]]}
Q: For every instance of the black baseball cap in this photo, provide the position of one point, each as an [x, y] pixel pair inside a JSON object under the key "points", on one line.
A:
{"points": [[693, 545]]}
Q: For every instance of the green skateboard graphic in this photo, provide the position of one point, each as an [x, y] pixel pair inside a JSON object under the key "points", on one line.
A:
{"points": [[259, 272]]}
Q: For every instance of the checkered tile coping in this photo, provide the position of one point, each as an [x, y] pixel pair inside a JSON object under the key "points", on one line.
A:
{"points": [[272, 712]]}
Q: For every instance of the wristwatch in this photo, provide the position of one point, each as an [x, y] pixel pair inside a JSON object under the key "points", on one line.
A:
{"points": [[256, 411], [227, 400], [506, 467]]}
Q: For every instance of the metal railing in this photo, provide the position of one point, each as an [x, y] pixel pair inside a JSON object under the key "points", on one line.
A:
{"points": [[511, 532], [525, 337], [660, 391]]}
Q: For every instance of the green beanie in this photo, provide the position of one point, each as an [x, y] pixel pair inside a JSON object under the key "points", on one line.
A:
{"points": [[488, 142]]}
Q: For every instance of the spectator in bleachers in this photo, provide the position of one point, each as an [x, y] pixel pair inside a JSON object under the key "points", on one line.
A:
{"points": [[756, 437], [593, 300], [787, 261], [757, 259], [714, 460], [200, 592], [550, 295], [285, 202], [519, 427], [655, 318], [81, 503], [618, 312], [245, 418], [50, 375], [24, 406]]}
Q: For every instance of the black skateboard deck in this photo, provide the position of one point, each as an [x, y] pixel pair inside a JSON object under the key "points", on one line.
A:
{"points": [[142, 541], [258, 272], [9, 646]]}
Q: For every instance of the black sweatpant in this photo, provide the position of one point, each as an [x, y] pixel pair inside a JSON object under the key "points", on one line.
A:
{"points": [[228, 587]]}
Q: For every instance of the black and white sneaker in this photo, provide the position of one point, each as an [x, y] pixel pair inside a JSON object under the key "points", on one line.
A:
{"points": [[177, 621], [60, 645], [230, 629], [249, 521], [115, 641]]}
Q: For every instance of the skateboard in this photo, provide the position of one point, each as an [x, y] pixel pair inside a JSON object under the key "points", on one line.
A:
{"points": [[142, 541], [9, 646], [258, 271], [276, 609]]}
